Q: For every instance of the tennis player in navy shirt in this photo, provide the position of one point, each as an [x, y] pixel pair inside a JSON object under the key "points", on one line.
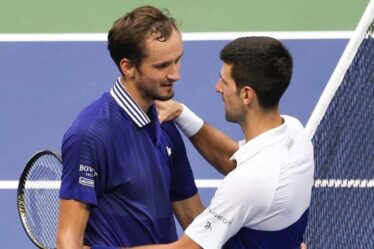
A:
{"points": [[124, 174]]}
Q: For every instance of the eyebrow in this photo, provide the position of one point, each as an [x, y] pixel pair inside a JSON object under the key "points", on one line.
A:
{"points": [[220, 75], [167, 62], [180, 56]]}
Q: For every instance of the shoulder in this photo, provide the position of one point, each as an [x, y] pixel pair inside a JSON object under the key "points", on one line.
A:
{"points": [[94, 121], [296, 133], [294, 124], [297, 137]]}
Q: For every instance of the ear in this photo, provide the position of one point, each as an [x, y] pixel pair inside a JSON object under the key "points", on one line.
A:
{"points": [[247, 94], [127, 68]]}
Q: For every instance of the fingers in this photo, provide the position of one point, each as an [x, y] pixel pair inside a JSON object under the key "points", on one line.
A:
{"points": [[168, 110]]}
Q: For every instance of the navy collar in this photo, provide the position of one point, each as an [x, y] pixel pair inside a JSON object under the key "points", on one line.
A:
{"points": [[124, 100]]}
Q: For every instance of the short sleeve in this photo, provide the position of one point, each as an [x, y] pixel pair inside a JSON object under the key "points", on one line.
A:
{"points": [[79, 175], [182, 181], [236, 203]]}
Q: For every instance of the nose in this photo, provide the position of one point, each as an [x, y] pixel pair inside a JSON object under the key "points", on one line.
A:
{"points": [[218, 87], [174, 73]]}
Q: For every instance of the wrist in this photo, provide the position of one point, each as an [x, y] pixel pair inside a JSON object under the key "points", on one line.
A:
{"points": [[188, 122]]}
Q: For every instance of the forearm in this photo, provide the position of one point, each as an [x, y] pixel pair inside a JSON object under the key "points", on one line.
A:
{"points": [[183, 243], [69, 240], [187, 210], [215, 147], [69, 244], [166, 246], [73, 217], [212, 144]]}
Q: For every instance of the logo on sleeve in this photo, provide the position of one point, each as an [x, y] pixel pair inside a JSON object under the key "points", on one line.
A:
{"points": [[87, 174], [220, 217], [86, 182], [208, 226], [87, 171]]}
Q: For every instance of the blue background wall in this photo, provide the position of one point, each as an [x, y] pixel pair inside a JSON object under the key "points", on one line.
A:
{"points": [[44, 85]]}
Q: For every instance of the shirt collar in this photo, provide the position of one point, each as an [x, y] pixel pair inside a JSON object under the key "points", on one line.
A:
{"points": [[126, 102], [250, 148]]}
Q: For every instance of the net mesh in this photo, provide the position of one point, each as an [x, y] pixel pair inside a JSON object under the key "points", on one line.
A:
{"points": [[41, 201], [342, 211]]}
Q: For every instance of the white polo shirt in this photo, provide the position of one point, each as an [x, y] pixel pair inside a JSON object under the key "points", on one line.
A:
{"points": [[269, 190]]}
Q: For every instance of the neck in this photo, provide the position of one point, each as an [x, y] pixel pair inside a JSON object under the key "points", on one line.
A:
{"points": [[139, 98], [259, 122]]}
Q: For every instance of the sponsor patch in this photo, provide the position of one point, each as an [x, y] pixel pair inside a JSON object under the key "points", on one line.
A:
{"points": [[87, 171], [208, 226], [86, 182], [220, 217]]}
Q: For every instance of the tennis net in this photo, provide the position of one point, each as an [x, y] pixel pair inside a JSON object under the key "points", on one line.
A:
{"points": [[342, 130]]}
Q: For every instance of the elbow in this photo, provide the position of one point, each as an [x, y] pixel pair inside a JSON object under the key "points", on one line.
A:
{"points": [[59, 242], [225, 166], [63, 241]]}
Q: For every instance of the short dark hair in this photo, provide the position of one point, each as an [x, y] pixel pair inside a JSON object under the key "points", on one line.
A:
{"points": [[262, 63], [126, 39]]}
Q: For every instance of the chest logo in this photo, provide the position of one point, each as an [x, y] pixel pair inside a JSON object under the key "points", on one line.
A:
{"points": [[168, 149], [290, 144]]}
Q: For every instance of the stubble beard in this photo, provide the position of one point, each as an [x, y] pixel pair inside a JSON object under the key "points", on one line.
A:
{"points": [[229, 118], [164, 98], [232, 118], [158, 96], [155, 94]]}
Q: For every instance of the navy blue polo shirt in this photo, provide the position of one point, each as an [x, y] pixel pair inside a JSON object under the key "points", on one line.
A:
{"points": [[128, 168]]}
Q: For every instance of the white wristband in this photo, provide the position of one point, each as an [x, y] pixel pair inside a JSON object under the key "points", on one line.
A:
{"points": [[188, 122]]}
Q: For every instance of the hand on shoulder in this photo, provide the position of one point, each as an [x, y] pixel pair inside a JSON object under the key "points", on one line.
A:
{"points": [[168, 110]]}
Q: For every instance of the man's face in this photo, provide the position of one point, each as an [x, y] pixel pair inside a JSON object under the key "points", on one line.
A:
{"points": [[226, 86], [158, 72]]}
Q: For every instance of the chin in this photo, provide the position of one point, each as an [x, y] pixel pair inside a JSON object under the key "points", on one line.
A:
{"points": [[230, 119], [164, 98]]}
